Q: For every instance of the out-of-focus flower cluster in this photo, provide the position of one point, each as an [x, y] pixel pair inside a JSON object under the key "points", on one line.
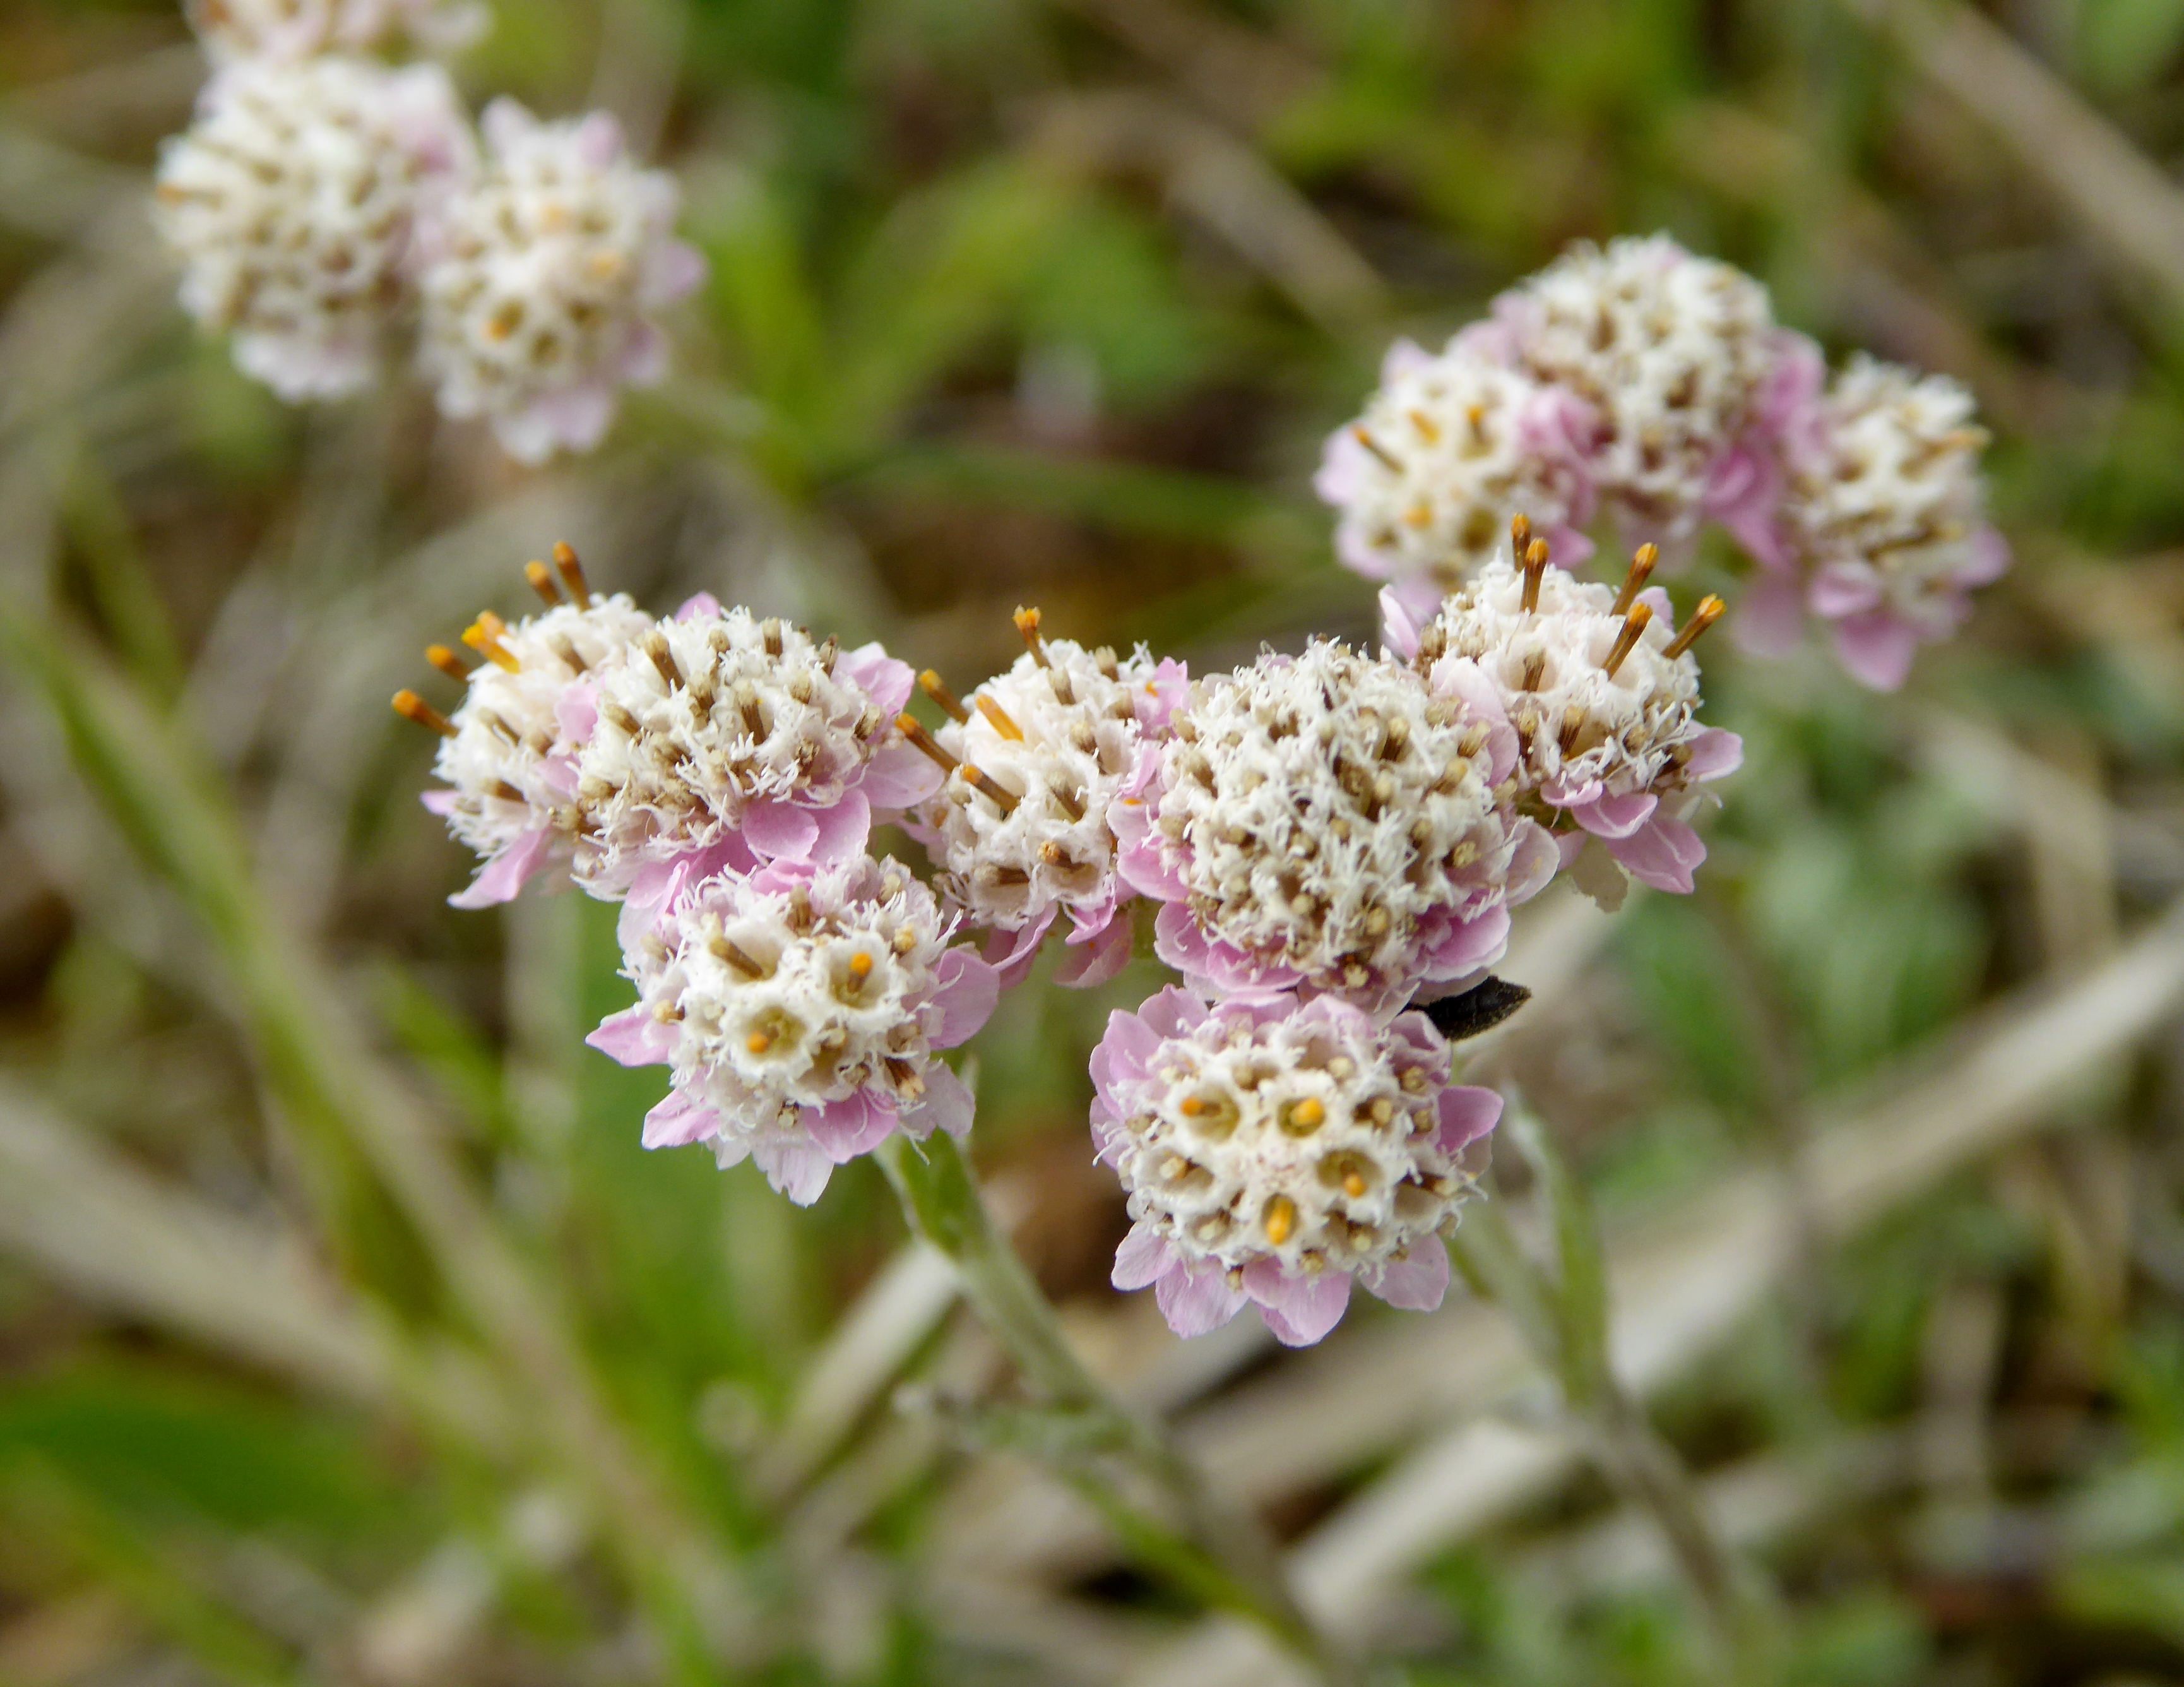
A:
{"points": [[1328, 844], [1654, 388], [333, 213]]}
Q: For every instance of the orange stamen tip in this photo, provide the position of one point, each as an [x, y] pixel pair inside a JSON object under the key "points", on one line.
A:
{"points": [[1281, 1220], [542, 582], [758, 1041], [447, 662], [860, 964], [1352, 1185], [1309, 1111], [411, 706]]}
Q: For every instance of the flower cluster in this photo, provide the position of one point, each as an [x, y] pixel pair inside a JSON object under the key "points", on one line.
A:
{"points": [[327, 210], [1642, 381]]}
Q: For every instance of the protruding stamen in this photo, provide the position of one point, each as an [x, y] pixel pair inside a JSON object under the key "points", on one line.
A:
{"points": [[1626, 641], [1353, 1183], [483, 636], [1004, 798], [1708, 611], [930, 683], [573, 571], [910, 727], [542, 582], [1388, 460], [411, 706], [656, 647], [1000, 717], [447, 662], [1429, 429], [1520, 536], [1027, 622], [1535, 570], [1302, 1118], [1573, 724], [1281, 1220], [1055, 856], [735, 955], [770, 634], [1642, 567], [1068, 800], [507, 793]]}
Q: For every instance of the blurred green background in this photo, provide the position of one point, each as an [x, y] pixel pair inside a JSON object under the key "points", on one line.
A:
{"points": [[347, 1335]]}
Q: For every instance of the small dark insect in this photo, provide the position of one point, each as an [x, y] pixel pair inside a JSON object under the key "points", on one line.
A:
{"points": [[1480, 1009]]}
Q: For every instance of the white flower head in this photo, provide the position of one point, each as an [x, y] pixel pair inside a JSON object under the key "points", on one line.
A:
{"points": [[1020, 826], [1887, 504], [1672, 352], [1327, 820], [546, 275], [291, 201], [799, 1010], [1272, 1150], [508, 751], [726, 725], [1450, 447], [235, 29]]}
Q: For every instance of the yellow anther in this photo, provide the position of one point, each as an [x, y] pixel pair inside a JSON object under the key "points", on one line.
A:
{"points": [[1000, 717], [1280, 1222]]}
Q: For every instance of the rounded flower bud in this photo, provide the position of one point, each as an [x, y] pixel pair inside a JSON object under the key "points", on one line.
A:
{"points": [[291, 200], [233, 29], [1672, 353], [1272, 1150], [1450, 447], [1602, 694], [799, 1010], [1326, 821], [728, 729], [544, 277], [1020, 825], [511, 758], [1886, 509]]}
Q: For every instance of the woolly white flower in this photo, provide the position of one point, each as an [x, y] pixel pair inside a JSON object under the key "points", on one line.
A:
{"points": [[291, 201], [1020, 827], [233, 29], [1449, 449], [1887, 511], [545, 275], [725, 730], [508, 753], [1602, 694], [1672, 353], [1327, 820], [799, 1010], [1272, 1151]]}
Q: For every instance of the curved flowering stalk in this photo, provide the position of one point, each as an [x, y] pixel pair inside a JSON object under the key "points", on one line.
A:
{"points": [[1326, 823], [1032, 762], [1275, 1150], [1601, 692]]}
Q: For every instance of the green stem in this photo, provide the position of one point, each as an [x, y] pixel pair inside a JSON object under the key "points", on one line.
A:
{"points": [[1214, 1550]]}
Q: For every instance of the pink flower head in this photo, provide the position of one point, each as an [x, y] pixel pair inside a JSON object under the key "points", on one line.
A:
{"points": [[1274, 1150], [1887, 511], [1326, 822], [723, 725], [547, 273], [1449, 449], [1602, 705], [509, 756], [1020, 826], [799, 1009]]}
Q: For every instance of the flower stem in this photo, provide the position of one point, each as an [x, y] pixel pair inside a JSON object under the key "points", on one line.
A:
{"points": [[1215, 1551]]}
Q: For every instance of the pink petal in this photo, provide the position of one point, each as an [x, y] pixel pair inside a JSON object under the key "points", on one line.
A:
{"points": [[1416, 1284], [506, 874], [1173, 1012], [948, 1105], [675, 269], [1399, 630], [967, 989], [887, 682], [843, 828], [1011, 954], [1467, 1112], [1771, 618], [1144, 1258], [1877, 648], [678, 1121], [855, 1124], [1155, 701], [1533, 865], [1299, 1310], [1197, 1301], [697, 604], [898, 775], [1987, 559], [799, 1170], [1713, 753], [1104, 953], [778, 830], [1663, 853], [1471, 944], [1617, 817], [1120, 1058], [633, 1038], [1843, 589], [440, 802]]}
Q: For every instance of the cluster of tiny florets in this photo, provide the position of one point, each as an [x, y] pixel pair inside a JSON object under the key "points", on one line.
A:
{"points": [[1670, 352], [1450, 448], [291, 201], [712, 716], [1313, 1140], [1318, 809], [545, 272], [327, 210], [1020, 828], [233, 29]]}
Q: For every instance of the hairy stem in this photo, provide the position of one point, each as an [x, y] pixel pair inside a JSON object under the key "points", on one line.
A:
{"points": [[1215, 1551]]}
